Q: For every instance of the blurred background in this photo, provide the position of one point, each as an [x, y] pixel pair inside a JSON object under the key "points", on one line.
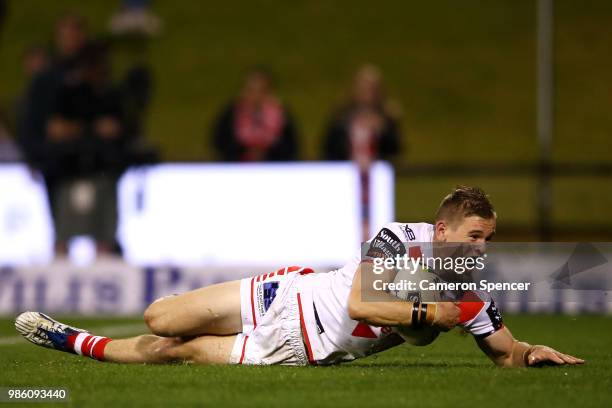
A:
{"points": [[374, 110]]}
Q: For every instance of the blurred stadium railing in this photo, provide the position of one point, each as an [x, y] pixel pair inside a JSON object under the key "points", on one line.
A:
{"points": [[542, 174]]}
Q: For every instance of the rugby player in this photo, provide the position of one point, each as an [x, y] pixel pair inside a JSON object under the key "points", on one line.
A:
{"points": [[294, 316]]}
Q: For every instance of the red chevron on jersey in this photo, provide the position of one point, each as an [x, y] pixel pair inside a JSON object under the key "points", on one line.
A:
{"points": [[470, 306], [414, 252], [363, 330]]}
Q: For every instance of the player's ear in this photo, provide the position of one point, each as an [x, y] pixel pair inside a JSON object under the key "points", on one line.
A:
{"points": [[440, 230]]}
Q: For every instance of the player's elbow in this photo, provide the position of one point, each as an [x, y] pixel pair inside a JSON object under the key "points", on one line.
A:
{"points": [[504, 362], [357, 310]]}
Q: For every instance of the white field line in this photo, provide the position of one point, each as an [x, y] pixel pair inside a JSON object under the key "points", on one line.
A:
{"points": [[110, 331]]}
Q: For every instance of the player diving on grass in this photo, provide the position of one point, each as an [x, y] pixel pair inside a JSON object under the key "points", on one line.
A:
{"points": [[294, 316]]}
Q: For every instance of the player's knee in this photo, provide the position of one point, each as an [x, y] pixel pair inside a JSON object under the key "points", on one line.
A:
{"points": [[157, 318]]}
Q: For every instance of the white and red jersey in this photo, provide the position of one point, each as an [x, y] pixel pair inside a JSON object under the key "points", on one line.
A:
{"points": [[331, 336]]}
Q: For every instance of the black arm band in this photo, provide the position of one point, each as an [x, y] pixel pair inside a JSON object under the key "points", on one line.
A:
{"points": [[415, 315], [423, 319]]}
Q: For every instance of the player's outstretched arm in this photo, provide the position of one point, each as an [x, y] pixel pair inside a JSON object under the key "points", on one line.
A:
{"points": [[505, 351], [378, 308]]}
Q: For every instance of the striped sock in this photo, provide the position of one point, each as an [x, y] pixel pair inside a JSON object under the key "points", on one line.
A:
{"points": [[85, 344]]}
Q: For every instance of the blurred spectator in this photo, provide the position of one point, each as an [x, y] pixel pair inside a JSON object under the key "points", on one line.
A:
{"points": [[35, 60], [135, 17], [256, 126], [87, 150], [70, 37], [73, 128], [81, 130], [9, 151], [365, 128], [88, 109]]}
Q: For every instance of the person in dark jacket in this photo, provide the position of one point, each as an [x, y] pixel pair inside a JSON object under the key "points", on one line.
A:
{"points": [[365, 128], [256, 126], [87, 149], [70, 37]]}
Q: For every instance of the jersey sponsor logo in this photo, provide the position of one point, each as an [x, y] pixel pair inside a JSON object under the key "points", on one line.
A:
{"points": [[269, 293], [391, 239], [265, 293], [495, 316], [386, 245], [409, 233]]}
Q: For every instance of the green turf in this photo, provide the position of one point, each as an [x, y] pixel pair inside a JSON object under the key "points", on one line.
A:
{"points": [[451, 372]]}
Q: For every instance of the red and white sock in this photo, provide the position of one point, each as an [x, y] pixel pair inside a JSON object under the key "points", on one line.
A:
{"points": [[85, 344]]}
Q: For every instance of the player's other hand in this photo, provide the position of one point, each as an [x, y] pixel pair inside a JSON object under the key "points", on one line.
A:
{"points": [[447, 315], [543, 355]]}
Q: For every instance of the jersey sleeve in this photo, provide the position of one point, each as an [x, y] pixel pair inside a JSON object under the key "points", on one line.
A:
{"points": [[479, 315], [385, 244]]}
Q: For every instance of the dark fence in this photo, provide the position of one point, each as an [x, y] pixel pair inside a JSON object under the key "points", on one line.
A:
{"points": [[543, 173]]}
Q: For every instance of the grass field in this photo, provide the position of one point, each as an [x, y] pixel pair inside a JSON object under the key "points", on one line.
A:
{"points": [[451, 372]]}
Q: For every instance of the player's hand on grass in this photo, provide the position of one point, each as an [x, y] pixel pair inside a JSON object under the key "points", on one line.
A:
{"points": [[447, 315], [543, 355]]}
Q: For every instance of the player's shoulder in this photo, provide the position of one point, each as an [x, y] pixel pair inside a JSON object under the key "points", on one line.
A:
{"points": [[476, 296], [409, 231], [395, 238]]}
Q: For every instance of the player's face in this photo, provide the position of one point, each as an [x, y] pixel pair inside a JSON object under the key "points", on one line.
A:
{"points": [[473, 229]]}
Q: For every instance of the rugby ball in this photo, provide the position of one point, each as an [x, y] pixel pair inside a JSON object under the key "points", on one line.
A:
{"points": [[408, 286]]}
